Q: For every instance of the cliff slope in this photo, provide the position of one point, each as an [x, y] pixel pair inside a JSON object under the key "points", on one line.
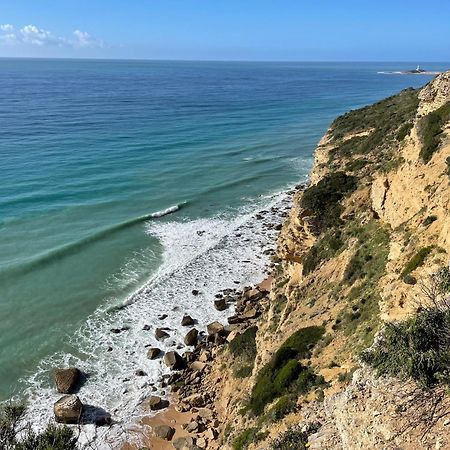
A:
{"points": [[360, 249]]}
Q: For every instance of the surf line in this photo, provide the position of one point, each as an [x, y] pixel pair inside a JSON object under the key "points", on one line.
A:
{"points": [[73, 247]]}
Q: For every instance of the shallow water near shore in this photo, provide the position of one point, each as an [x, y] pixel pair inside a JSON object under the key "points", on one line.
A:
{"points": [[127, 182]]}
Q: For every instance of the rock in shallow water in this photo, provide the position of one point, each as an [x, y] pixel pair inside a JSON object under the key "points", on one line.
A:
{"points": [[187, 321], [153, 353], [66, 379], [68, 409], [173, 360], [160, 334], [191, 337]]}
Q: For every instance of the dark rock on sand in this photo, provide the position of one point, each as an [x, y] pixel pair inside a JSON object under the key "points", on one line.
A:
{"points": [[155, 403], [164, 432]]}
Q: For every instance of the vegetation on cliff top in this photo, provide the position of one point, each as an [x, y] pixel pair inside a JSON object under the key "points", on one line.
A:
{"points": [[323, 199], [430, 131], [376, 129]]}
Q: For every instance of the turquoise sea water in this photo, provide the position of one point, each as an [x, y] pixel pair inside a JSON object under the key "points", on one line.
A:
{"points": [[90, 150]]}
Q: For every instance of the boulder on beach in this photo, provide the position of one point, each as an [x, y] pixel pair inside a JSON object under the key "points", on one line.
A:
{"points": [[160, 334], [155, 403], [68, 409], [153, 352], [215, 327], [187, 321], [195, 400], [173, 360], [183, 443], [164, 432], [191, 337], [66, 379], [220, 304]]}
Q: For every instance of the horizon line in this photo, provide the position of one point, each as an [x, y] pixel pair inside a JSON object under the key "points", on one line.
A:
{"points": [[46, 58]]}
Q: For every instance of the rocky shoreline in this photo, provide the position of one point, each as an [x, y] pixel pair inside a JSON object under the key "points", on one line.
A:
{"points": [[186, 417]]}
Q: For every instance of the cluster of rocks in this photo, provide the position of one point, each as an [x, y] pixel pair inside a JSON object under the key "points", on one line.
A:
{"points": [[69, 409], [189, 378]]}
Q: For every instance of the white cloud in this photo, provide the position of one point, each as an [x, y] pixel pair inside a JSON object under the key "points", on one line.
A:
{"points": [[84, 39], [31, 35], [7, 28]]}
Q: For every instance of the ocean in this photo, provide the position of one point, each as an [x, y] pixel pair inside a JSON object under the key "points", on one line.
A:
{"points": [[134, 182]]}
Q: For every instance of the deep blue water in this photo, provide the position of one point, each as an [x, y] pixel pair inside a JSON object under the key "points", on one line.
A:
{"points": [[87, 148]]}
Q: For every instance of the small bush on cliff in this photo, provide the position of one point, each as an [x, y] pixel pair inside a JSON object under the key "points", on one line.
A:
{"points": [[247, 437], [430, 131], [16, 434], [282, 408], [429, 220], [292, 439], [323, 198], [243, 348], [417, 348], [417, 260], [284, 373], [322, 250]]}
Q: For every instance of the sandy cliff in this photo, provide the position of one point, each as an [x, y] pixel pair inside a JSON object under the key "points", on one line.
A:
{"points": [[374, 222]]}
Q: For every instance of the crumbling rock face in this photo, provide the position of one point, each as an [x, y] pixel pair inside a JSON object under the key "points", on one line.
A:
{"points": [[435, 94]]}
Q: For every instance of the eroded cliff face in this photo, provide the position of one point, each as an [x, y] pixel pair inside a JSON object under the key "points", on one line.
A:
{"points": [[343, 277]]}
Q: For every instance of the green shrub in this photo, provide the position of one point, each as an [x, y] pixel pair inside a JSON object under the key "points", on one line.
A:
{"points": [[247, 437], [429, 220], [417, 260], [394, 113], [345, 377], [409, 279], [303, 340], [323, 249], [370, 258], [242, 371], [430, 131], [286, 375], [17, 435], [243, 348], [355, 165], [292, 439], [244, 344], [448, 165], [284, 406], [323, 198], [417, 348], [283, 373]]}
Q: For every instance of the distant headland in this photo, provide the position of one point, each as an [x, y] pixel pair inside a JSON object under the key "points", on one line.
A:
{"points": [[417, 71]]}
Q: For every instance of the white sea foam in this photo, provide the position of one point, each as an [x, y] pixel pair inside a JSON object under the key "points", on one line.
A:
{"points": [[203, 254], [166, 211]]}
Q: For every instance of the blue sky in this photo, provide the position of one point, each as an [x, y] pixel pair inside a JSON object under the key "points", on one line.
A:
{"points": [[314, 30]]}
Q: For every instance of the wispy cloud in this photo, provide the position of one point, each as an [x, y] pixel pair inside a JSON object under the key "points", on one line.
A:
{"points": [[31, 35]]}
